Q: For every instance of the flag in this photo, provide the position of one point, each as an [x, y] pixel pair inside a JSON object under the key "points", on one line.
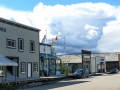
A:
{"points": [[56, 38], [43, 40], [52, 41]]}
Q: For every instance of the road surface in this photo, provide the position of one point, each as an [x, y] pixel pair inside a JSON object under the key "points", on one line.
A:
{"points": [[104, 82]]}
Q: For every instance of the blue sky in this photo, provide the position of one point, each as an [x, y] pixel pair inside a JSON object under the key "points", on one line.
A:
{"points": [[89, 26], [29, 4]]}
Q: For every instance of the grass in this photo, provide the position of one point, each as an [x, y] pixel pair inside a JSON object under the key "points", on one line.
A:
{"points": [[8, 87]]}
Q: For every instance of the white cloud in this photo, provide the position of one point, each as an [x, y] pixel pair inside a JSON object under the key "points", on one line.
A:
{"points": [[85, 25], [89, 27], [91, 34], [110, 40], [92, 31]]}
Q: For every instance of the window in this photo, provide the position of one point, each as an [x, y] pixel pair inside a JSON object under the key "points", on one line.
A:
{"points": [[32, 46], [35, 66], [20, 44], [23, 67], [11, 43]]}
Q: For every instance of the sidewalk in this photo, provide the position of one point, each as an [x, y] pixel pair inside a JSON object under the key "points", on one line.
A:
{"points": [[96, 74], [44, 81], [99, 74], [53, 79]]}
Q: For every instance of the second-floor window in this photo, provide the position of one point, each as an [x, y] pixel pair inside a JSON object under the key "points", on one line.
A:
{"points": [[11, 43], [20, 44], [32, 46]]}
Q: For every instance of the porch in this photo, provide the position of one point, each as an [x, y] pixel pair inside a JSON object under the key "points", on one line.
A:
{"points": [[49, 65], [4, 73]]}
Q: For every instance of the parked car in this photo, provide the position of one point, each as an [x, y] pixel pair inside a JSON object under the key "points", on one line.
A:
{"points": [[114, 70], [81, 73]]}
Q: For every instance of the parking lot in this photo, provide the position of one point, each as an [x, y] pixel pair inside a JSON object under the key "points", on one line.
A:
{"points": [[104, 82]]}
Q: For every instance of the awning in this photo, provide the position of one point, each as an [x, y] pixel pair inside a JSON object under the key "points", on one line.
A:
{"points": [[7, 62], [48, 56]]}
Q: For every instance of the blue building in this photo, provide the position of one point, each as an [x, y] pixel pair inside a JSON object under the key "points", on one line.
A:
{"points": [[50, 65]]}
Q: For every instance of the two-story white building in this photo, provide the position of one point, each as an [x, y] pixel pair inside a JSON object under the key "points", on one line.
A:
{"points": [[19, 43]]}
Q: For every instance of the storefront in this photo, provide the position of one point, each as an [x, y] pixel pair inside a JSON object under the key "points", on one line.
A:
{"points": [[98, 64]]}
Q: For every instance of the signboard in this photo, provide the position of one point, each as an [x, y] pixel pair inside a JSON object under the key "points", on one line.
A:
{"points": [[86, 52], [86, 56]]}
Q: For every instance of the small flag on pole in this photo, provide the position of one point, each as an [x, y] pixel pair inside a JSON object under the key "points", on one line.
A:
{"points": [[43, 40], [56, 38]]}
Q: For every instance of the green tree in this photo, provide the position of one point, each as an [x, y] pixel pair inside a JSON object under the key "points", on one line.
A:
{"points": [[62, 68]]}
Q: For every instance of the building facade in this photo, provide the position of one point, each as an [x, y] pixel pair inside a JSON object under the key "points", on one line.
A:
{"points": [[49, 64], [112, 59], [20, 43], [98, 64], [72, 62]]}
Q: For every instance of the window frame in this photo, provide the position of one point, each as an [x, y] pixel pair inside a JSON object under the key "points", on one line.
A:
{"points": [[24, 67], [35, 69], [19, 44], [11, 41], [31, 41]]}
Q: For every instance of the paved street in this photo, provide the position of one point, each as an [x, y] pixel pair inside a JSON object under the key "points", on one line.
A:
{"points": [[105, 82]]}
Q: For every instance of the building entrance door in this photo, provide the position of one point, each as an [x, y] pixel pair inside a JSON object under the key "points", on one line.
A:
{"points": [[29, 69]]}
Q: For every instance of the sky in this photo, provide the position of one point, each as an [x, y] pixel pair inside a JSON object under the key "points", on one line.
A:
{"points": [[86, 24]]}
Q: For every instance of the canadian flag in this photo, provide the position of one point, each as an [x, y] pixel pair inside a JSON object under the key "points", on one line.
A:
{"points": [[53, 40], [56, 38]]}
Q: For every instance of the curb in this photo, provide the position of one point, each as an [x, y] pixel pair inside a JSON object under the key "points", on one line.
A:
{"points": [[96, 75]]}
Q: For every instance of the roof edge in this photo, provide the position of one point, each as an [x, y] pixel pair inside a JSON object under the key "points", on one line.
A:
{"points": [[6, 21]]}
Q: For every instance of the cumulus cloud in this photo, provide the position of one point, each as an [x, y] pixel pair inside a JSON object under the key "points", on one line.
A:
{"points": [[90, 26], [92, 31]]}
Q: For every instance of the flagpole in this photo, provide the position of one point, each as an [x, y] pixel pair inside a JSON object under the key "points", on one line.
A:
{"points": [[64, 56], [46, 53], [57, 43]]}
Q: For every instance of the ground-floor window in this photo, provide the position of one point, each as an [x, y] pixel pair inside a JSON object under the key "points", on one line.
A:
{"points": [[23, 67], [35, 66], [1, 71], [0, 67]]}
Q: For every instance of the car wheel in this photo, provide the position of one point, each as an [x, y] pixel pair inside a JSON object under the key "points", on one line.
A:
{"points": [[83, 76], [88, 76]]}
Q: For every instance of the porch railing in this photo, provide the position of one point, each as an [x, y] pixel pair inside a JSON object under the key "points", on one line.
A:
{"points": [[52, 69]]}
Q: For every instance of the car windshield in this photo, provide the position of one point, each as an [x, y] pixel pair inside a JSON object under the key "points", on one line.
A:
{"points": [[78, 71], [114, 69]]}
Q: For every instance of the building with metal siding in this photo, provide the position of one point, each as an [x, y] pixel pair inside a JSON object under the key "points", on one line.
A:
{"points": [[73, 61], [112, 59], [98, 64]]}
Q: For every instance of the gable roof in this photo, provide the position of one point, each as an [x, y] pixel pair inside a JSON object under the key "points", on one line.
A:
{"points": [[71, 58]]}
